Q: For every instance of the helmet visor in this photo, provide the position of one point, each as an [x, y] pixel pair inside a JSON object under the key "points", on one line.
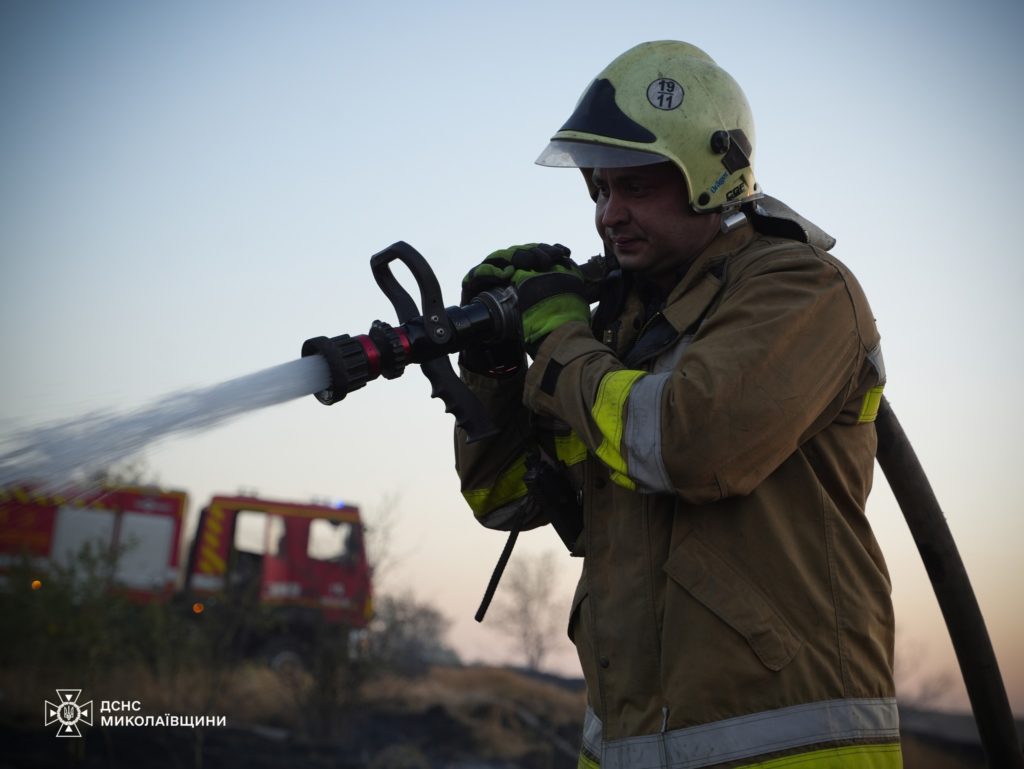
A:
{"points": [[569, 154]]}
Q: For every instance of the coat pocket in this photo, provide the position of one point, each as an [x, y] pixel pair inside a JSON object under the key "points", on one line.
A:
{"points": [[735, 600]]}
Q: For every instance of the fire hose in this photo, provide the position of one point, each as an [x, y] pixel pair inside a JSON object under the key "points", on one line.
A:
{"points": [[956, 598], [429, 333]]}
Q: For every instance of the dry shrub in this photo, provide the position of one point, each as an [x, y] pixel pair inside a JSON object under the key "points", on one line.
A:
{"points": [[471, 685], [510, 714]]}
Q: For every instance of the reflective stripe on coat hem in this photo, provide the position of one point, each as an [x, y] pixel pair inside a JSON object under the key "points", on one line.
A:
{"points": [[758, 734], [591, 733]]}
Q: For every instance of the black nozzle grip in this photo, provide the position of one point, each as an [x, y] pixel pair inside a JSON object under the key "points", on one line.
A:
{"points": [[459, 401]]}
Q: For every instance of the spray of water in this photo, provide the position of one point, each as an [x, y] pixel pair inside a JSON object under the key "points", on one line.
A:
{"points": [[70, 451]]}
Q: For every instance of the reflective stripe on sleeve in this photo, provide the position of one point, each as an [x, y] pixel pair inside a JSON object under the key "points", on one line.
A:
{"points": [[874, 722], [877, 362], [642, 440], [873, 398], [570, 449], [608, 413], [869, 406], [496, 505]]}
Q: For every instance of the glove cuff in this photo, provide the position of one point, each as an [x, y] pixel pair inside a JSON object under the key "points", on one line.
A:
{"points": [[533, 291]]}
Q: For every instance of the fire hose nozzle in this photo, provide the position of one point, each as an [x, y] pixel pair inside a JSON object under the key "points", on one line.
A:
{"points": [[386, 350], [428, 334], [347, 362]]}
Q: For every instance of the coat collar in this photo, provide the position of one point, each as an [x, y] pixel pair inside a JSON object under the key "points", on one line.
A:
{"points": [[704, 266]]}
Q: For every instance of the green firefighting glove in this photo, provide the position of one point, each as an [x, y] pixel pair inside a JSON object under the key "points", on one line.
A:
{"points": [[549, 287], [501, 358]]}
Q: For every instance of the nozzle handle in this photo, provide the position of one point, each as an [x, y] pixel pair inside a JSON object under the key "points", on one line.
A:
{"points": [[435, 320], [459, 401]]}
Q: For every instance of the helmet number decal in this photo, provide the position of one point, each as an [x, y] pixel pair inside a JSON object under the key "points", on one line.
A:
{"points": [[665, 93]]}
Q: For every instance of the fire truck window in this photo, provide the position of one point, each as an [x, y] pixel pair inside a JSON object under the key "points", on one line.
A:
{"points": [[78, 528], [148, 541], [250, 532], [331, 540]]}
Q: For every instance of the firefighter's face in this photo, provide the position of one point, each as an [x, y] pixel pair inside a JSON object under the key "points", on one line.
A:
{"points": [[644, 214]]}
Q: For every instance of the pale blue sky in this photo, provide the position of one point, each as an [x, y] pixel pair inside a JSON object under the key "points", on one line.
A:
{"points": [[189, 190]]}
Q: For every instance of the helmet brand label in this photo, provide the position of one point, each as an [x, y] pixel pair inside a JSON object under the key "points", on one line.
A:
{"points": [[736, 191], [719, 182], [665, 93]]}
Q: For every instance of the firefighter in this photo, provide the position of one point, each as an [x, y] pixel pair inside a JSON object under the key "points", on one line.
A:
{"points": [[714, 421]]}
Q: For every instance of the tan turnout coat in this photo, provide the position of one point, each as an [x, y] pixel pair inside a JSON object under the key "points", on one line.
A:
{"points": [[733, 602]]}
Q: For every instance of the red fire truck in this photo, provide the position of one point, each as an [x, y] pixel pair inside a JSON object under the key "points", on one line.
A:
{"points": [[303, 565]]}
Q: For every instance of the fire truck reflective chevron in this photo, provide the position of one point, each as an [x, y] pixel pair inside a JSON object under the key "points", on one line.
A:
{"points": [[212, 553]]}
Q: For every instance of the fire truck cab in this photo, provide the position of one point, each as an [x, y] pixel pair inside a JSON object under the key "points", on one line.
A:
{"points": [[301, 557]]}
